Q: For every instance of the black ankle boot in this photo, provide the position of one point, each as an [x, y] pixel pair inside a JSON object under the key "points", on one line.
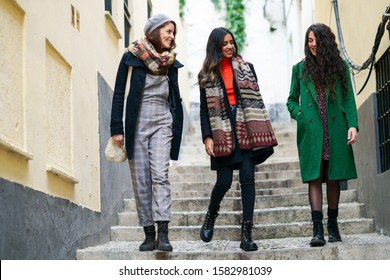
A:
{"points": [[162, 242], [207, 230], [318, 234], [150, 239], [333, 231], [247, 243]]}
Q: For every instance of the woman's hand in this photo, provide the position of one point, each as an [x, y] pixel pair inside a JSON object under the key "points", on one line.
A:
{"points": [[352, 135], [118, 139], [209, 146]]}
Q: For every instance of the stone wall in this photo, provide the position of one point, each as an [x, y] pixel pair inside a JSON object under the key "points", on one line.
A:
{"points": [[372, 186]]}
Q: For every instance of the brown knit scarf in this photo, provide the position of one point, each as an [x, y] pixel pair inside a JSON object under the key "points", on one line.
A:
{"points": [[157, 63], [253, 126]]}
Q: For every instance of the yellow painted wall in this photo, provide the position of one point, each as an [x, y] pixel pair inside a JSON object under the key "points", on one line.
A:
{"points": [[359, 22], [49, 130]]}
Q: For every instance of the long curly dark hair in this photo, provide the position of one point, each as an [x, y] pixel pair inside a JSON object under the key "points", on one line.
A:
{"points": [[212, 63], [327, 66]]}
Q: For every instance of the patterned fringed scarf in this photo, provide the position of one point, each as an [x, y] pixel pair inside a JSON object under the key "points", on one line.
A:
{"points": [[253, 126], [157, 63]]}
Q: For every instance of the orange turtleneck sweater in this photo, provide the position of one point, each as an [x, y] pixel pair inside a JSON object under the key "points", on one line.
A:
{"points": [[227, 76]]}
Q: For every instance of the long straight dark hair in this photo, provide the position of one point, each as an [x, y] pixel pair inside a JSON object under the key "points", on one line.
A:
{"points": [[212, 63], [327, 65]]}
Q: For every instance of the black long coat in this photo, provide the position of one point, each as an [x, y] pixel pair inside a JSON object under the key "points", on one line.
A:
{"points": [[137, 84]]}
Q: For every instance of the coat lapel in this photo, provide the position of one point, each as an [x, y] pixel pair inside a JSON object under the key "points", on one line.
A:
{"points": [[309, 84], [312, 90]]}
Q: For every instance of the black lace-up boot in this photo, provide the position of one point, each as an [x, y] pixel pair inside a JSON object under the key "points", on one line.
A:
{"points": [[318, 230], [162, 242], [207, 230], [150, 239], [333, 229], [247, 243]]}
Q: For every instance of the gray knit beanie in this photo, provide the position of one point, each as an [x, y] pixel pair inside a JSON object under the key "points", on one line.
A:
{"points": [[155, 21]]}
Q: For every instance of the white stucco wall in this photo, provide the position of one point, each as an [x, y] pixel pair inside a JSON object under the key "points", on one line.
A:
{"points": [[272, 53]]}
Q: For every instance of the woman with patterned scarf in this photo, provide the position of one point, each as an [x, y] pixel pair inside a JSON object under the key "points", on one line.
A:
{"points": [[236, 129], [153, 124]]}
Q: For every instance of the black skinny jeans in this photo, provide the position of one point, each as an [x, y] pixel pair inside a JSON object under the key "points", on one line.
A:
{"points": [[247, 183]]}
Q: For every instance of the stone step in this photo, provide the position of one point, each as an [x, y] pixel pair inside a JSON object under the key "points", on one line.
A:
{"points": [[234, 203], [354, 247], [236, 193], [288, 143], [264, 167], [259, 184], [199, 150], [285, 147], [282, 214], [232, 232], [277, 159], [192, 149], [280, 153], [211, 176], [261, 216]]}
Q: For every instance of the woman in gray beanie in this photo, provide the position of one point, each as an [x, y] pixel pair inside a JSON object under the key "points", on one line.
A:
{"points": [[153, 124]]}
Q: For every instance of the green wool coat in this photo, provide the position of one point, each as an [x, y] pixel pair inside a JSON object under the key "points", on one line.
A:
{"points": [[302, 104]]}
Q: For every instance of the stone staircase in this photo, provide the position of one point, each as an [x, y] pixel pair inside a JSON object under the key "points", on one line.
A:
{"points": [[282, 215]]}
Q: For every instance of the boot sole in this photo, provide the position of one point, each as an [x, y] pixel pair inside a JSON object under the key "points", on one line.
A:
{"points": [[317, 243], [248, 249], [146, 250], [206, 240], [165, 249], [334, 240]]}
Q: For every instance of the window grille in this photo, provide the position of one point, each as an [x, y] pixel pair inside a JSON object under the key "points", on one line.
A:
{"points": [[127, 25], [108, 5], [149, 9], [382, 69]]}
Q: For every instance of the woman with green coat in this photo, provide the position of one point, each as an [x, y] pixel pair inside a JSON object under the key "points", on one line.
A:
{"points": [[322, 102]]}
